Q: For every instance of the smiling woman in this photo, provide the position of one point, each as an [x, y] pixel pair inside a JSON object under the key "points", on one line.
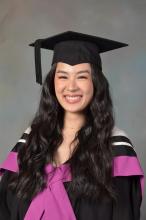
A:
{"points": [[72, 163], [73, 85]]}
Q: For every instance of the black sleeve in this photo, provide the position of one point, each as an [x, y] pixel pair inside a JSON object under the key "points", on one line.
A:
{"points": [[4, 210], [126, 207], [129, 198], [11, 208]]}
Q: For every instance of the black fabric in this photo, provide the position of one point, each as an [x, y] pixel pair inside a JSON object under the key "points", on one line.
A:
{"points": [[73, 48], [74, 52], [122, 150], [11, 208], [121, 138], [127, 207], [103, 44], [38, 62]]}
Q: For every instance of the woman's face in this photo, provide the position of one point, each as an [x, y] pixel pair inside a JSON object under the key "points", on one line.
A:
{"points": [[73, 86]]}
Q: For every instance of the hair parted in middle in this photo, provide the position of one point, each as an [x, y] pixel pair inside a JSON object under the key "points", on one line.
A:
{"points": [[91, 159]]}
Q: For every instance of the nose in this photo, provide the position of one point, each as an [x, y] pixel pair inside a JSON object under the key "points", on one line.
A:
{"points": [[72, 85]]}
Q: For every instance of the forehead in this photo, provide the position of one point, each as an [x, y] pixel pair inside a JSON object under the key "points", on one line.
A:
{"points": [[68, 68]]}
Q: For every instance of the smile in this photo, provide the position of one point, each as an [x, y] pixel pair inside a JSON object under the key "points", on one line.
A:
{"points": [[73, 99]]}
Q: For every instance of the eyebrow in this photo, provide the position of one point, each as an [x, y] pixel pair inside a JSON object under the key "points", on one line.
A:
{"points": [[79, 72]]}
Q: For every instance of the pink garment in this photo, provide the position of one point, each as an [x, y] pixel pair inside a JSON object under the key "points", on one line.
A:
{"points": [[128, 166], [53, 203]]}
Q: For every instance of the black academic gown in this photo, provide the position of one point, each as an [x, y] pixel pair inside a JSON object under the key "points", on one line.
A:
{"points": [[128, 189]]}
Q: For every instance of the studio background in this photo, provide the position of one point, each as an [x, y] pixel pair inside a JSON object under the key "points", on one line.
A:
{"points": [[23, 21]]}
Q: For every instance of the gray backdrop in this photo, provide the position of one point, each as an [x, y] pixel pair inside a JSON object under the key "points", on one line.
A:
{"points": [[23, 21]]}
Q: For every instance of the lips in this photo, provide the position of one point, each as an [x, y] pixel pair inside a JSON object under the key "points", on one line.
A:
{"points": [[72, 95], [73, 99]]}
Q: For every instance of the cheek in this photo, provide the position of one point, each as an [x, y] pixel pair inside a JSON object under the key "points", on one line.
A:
{"points": [[89, 89], [58, 86]]}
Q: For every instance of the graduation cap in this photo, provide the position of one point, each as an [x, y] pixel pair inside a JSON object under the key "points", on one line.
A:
{"points": [[73, 48]]}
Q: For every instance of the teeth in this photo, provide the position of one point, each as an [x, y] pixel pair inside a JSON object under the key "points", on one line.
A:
{"points": [[72, 97]]}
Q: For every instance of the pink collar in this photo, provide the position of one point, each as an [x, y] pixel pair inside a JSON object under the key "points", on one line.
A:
{"points": [[53, 203]]}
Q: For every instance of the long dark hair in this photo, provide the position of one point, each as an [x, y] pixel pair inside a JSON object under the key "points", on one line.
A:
{"points": [[91, 160]]}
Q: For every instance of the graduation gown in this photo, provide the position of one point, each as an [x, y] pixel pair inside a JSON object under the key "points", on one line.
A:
{"points": [[56, 202]]}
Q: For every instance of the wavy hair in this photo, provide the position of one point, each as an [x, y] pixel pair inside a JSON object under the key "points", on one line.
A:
{"points": [[91, 159]]}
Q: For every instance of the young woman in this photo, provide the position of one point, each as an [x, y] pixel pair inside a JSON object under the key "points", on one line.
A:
{"points": [[72, 163]]}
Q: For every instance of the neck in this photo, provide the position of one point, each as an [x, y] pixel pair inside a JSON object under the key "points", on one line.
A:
{"points": [[73, 121]]}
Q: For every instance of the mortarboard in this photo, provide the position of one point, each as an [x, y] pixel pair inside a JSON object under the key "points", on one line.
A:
{"points": [[73, 48]]}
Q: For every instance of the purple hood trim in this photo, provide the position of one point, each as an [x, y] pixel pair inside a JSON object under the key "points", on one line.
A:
{"points": [[46, 205], [128, 166]]}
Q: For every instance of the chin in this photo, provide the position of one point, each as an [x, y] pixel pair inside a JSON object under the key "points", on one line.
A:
{"points": [[73, 109]]}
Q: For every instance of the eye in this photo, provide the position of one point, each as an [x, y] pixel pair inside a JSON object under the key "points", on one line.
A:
{"points": [[84, 77], [64, 77]]}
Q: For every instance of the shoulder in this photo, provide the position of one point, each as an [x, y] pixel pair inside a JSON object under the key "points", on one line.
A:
{"points": [[22, 140], [122, 144], [10, 163], [119, 136], [125, 160]]}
